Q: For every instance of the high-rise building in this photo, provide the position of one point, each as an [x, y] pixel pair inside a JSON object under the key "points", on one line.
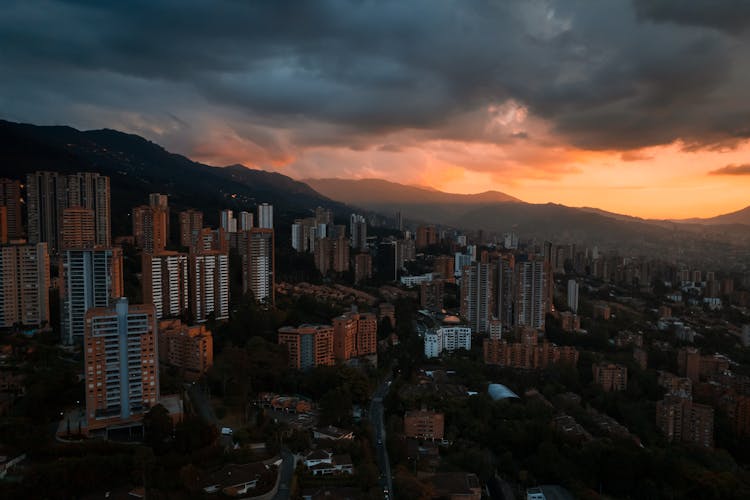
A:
{"points": [[357, 232], [3, 225], [573, 296], [362, 267], [505, 291], [10, 198], [444, 266], [228, 222], [308, 345], [324, 216], [610, 377], [158, 200], [77, 229], [187, 348], [209, 285], [150, 228], [24, 285], [679, 419], [121, 364], [354, 335], [88, 278], [531, 295], [446, 338], [265, 216], [258, 265], [476, 296], [331, 254], [49, 193], [246, 221], [165, 283], [426, 236], [191, 223]]}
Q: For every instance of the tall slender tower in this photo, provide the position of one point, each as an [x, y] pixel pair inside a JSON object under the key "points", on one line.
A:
{"points": [[10, 198], [258, 265], [209, 284], [121, 364], [88, 278], [476, 296], [531, 296], [24, 284], [191, 223], [265, 216]]}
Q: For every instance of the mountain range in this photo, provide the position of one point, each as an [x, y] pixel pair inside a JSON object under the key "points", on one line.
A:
{"points": [[137, 167]]}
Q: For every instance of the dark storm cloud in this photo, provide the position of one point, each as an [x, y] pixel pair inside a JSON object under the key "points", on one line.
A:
{"points": [[732, 170], [729, 15], [337, 72]]}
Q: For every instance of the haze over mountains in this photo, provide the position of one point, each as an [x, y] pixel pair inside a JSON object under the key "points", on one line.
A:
{"points": [[138, 166]]}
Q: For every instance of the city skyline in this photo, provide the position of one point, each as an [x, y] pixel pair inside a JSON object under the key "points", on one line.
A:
{"points": [[633, 107]]}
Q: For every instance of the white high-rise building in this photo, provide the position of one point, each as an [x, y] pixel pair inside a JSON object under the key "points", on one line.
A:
{"points": [[88, 278], [258, 265], [573, 296], [446, 338], [165, 283], [24, 285], [265, 216], [246, 221], [209, 285], [460, 261], [298, 236], [228, 222]]}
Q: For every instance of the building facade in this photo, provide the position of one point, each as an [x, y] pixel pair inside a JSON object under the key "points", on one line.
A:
{"points": [[88, 278], [209, 285], [121, 364], [308, 345], [24, 285], [165, 283], [187, 348]]}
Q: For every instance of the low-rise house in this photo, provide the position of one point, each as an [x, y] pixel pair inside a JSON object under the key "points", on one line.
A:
{"points": [[332, 433], [325, 463]]}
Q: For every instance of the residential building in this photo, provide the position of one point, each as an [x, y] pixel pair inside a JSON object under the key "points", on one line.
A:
{"points": [[3, 225], [265, 216], [77, 228], [444, 266], [528, 353], [246, 221], [611, 377], [354, 335], [209, 285], [165, 283], [357, 232], [308, 345], [258, 265], [49, 193], [228, 222], [683, 420], [424, 424], [387, 310], [121, 364], [331, 255], [573, 296], [187, 348], [24, 284], [446, 338], [476, 296], [150, 229], [88, 278], [531, 291], [426, 236], [325, 463], [191, 224], [363, 267], [10, 198]]}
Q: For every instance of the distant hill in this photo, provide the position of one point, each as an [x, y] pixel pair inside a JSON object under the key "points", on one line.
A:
{"points": [[138, 167], [418, 203], [739, 217]]}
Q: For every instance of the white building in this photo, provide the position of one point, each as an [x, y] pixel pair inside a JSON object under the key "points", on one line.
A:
{"points": [[209, 285], [265, 216], [258, 265], [165, 283], [246, 221], [460, 261], [228, 222], [446, 338], [412, 281], [89, 278]]}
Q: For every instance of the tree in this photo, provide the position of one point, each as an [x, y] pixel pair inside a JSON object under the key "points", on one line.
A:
{"points": [[157, 426]]}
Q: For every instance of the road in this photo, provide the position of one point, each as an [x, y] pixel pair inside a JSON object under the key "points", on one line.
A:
{"points": [[287, 471], [378, 425]]}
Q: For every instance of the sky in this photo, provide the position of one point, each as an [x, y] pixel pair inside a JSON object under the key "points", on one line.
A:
{"points": [[634, 106]]}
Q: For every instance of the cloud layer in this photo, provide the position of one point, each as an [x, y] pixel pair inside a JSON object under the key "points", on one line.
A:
{"points": [[307, 85]]}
